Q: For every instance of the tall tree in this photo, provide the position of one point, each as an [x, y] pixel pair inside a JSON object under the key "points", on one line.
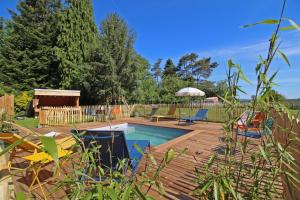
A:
{"points": [[76, 41], [203, 68], [1, 28], [170, 69], [27, 50], [186, 66], [192, 68], [118, 65], [156, 69]]}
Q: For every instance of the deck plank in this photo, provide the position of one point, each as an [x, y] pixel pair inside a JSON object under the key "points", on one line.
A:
{"points": [[178, 177]]}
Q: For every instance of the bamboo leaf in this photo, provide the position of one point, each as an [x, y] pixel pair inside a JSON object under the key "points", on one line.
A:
{"points": [[160, 187], [170, 156], [296, 26], [138, 148], [151, 157], [127, 192], [50, 147], [10, 147], [284, 58], [139, 193], [20, 196], [216, 190], [112, 193], [242, 75], [211, 160], [267, 21], [263, 153], [273, 76]]}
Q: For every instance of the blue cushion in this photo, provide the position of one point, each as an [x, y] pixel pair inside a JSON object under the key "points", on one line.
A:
{"points": [[135, 155], [250, 134]]}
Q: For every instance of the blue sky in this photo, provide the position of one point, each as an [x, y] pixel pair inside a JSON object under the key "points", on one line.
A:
{"points": [[172, 28]]}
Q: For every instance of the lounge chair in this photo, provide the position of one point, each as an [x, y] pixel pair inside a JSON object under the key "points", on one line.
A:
{"points": [[256, 132], [115, 112], [152, 113], [256, 119], [200, 116], [37, 158], [33, 148], [113, 147], [23, 143], [170, 114]]}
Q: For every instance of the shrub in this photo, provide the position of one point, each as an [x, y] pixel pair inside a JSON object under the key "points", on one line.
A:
{"points": [[22, 101]]}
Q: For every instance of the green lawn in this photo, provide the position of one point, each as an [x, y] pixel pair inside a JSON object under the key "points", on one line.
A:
{"points": [[215, 113], [28, 122]]}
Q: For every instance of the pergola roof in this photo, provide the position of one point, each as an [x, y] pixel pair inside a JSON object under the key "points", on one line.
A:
{"points": [[50, 92]]}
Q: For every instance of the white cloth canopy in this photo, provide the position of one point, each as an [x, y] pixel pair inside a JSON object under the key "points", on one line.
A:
{"points": [[189, 92]]}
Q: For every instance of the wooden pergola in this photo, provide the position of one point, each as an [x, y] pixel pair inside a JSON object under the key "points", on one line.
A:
{"points": [[54, 98]]}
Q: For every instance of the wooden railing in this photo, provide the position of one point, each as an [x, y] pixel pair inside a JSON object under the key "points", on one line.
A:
{"points": [[7, 106], [286, 130], [59, 116]]}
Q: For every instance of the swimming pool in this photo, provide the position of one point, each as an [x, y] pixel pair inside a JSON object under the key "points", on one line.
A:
{"points": [[157, 135]]}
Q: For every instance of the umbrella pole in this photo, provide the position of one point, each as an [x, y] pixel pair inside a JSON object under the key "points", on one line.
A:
{"points": [[190, 107]]}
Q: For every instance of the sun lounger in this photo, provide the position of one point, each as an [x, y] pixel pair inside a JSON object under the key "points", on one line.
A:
{"points": [[170, 114], [255, 121], [256, 132], [200, 116], [152, 113]]}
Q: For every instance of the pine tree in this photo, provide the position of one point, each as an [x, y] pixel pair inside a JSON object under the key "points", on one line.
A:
{"points": [[1, 36], [156, 69], [27, 50], [1, 28], [203, 68], [76, 41], [118, 64], [170, 69]]}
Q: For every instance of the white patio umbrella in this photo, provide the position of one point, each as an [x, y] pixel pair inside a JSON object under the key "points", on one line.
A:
{"points": [[189, 92]]}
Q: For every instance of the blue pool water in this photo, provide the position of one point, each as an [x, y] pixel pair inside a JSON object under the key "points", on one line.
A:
{"points": [[156, 135]]}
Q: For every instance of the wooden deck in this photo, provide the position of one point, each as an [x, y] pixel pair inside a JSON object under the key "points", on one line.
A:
{"points": [[178, 177]]}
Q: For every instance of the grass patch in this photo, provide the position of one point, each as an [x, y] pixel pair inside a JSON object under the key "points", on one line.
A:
{"points": [[28, 122], [215, 113]]}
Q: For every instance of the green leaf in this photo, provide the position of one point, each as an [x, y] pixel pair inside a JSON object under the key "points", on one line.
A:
{"points": [[211, 160], [20, 196], [112, 193], [284, 58], [273, 76], [138, 148], [169, 156], [216, 190], [50, 147], [242, 75], [10, 147], [139, 193], [296, 26], [127, 192], [263, 153], [160, 187], [151, 157], [267, 21]]}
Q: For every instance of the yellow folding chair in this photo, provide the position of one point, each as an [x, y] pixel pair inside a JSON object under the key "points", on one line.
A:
{"points": [[24, 144], [40, 159]]}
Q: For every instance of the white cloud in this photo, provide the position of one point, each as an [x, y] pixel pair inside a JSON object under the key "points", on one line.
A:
{"points": [[290, 46]]}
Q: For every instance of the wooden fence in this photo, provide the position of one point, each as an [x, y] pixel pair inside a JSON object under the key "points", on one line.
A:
{"points": [[287, 131], [7, 106], [59, 116]]}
